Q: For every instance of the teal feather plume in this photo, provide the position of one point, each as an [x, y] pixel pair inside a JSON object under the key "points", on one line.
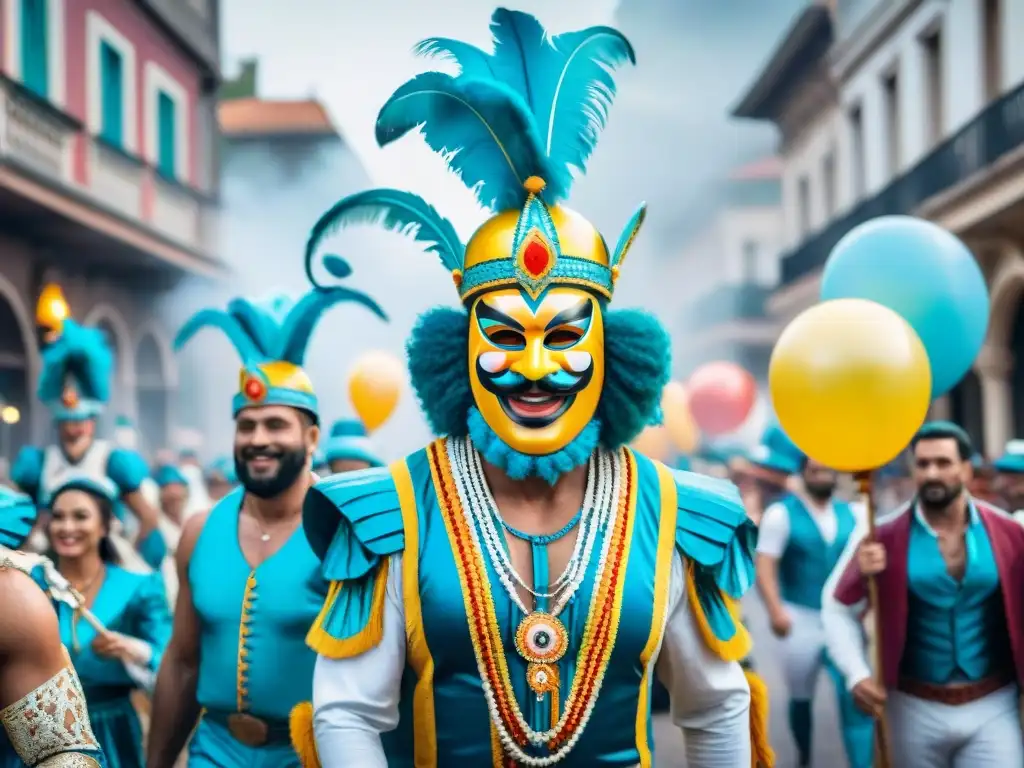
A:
{"points": [[565, 80], [397, 211], [302, 318], [237, 333], [482, 128], [629, 233], [257, 322]]}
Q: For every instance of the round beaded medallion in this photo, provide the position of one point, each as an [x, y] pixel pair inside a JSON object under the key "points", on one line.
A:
{"points": [[541, 638]]}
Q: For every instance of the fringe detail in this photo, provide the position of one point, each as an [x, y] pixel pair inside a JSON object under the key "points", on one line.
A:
{"points": [[300, 728], [760, 742], [325, 644]]}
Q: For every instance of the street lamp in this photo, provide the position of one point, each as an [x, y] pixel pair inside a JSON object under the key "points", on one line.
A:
{"points": [[10, 415], [51, 311]]}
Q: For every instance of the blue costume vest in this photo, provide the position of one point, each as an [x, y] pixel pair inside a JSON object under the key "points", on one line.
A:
{"points": [[253, 623], [444, 716], [808, 559], [956, 630]]}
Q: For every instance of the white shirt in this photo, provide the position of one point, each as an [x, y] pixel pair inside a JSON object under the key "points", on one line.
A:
{"points": [[773, 532], [356, 699]]}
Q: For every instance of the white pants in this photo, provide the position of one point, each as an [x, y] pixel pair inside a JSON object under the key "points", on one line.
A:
{"points": [[983, 734], [803, 652]]}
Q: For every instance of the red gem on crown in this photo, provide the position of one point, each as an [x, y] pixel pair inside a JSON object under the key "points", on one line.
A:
{"points": [[536, 258], [254, 389]]}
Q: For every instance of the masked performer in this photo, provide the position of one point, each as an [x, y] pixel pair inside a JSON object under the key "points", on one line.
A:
{"points": [[348, 447], [802, 536], [46, 724], [249, 584], [952, 617], [506, 595], [77, 367]]}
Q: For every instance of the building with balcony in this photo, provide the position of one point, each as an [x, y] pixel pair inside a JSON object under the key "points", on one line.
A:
{"points": [[108, 184], [728, 271], [916, 107]]}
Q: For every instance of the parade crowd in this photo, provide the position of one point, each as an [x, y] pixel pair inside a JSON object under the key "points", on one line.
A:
{"points": [[531, 586]]}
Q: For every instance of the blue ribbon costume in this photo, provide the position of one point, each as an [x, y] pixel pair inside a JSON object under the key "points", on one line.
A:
{"points": [[518, 125], [254, 664], [74, 384]]}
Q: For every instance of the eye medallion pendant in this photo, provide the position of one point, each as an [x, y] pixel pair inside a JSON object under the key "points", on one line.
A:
{"points": [[542, 640]]}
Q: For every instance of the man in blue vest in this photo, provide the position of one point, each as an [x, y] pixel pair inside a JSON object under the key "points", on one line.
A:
{"points": [[802, 537]]}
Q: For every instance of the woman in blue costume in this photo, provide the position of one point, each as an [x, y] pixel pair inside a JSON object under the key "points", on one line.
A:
{"points": [[250, 586], [75, 384], [42, 707], [348, 447], [131, 606], [506, 596]]}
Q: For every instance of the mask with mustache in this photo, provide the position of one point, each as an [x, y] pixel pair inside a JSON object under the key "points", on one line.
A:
{"points": [[290, 466]]}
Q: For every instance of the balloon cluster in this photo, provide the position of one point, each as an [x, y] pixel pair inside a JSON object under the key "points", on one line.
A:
{"points": [[904, 313]]}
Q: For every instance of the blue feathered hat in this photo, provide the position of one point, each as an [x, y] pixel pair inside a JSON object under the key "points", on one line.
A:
{"points": [[1012, 460], [224, 467], [776, 452], [349, 441], [17, 516], [168, 474], [517, 125], [272, 338], [77, 368]]}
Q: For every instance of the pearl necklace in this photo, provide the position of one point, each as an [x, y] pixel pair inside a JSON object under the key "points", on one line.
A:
{"points": [[599, 501], [536, 738]]}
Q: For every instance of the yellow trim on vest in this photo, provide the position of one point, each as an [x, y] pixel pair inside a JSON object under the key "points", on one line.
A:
{"points": [[417, 651], [365, 639], [668, 511], [244, 630], [737, 646], [303, 738]]}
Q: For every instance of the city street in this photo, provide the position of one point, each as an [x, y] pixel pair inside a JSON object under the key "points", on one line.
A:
{"points": [[827, 744]]}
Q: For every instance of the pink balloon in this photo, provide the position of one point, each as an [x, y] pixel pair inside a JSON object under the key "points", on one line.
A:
{"points": [[722, 395]]}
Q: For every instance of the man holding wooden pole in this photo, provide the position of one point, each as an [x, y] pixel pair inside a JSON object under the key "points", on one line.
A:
{"points": [[951, 615]]}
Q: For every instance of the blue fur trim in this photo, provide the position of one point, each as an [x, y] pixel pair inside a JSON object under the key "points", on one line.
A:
{"points": [[520, 466], [637, 352], [439, 369]]}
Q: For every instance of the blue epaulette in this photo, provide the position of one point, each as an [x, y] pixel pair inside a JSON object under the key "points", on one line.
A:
{"points": [[717, 540], [353, 522]]}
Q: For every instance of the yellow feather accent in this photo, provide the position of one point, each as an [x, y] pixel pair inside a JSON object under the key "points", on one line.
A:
{"points": [[737, 646], [761, 752], [366, 638], [300, 728]]}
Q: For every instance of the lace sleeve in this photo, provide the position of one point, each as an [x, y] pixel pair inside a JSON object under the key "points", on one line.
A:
{"points": [[50, 724]]}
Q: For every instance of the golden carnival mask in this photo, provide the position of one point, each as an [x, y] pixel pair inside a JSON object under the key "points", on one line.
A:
{"points": [[536, 365]]}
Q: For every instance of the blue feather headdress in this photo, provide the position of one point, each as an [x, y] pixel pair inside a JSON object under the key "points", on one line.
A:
{"points": [[272, 338], [517, 125], [77, 368], [349, 442]]}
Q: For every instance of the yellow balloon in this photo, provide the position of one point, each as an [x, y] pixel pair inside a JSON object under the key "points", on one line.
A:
{"points": [[851, 383], [374, 387], [654, 443], [675, 408]]}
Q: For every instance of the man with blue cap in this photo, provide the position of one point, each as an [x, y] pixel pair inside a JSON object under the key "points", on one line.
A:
{"points": [[42, 706], [250, 586], [74, 383], [1009, 479], [220, 477], [802, 537], [348, 448]]}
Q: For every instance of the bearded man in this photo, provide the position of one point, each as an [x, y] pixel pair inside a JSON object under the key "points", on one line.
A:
{"points": [[507, 595], [249, 584], [951, 611]]}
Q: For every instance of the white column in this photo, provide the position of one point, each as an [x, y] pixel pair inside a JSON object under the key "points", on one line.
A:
{"points": [[993, 367]]}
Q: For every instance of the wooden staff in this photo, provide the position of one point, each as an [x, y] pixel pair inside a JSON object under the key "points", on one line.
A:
{"points": [[882, 753]]}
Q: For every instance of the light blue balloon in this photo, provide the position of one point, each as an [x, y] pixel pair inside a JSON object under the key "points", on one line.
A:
{"points": [[924, 274]]}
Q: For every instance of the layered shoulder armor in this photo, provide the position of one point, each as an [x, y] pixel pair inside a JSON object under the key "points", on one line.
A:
{"points": [[717, 541], [353, 522]]}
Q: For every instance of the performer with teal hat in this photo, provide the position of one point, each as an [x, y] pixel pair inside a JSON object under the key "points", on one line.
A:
{"points": [[124, 652], [251, 585], [802, 536], [530, 516], [1009, 480], [74, 383], [220, 477], [349, 448]]}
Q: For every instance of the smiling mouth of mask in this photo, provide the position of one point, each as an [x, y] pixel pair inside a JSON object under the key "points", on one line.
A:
{"points": [[534, 404]]}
